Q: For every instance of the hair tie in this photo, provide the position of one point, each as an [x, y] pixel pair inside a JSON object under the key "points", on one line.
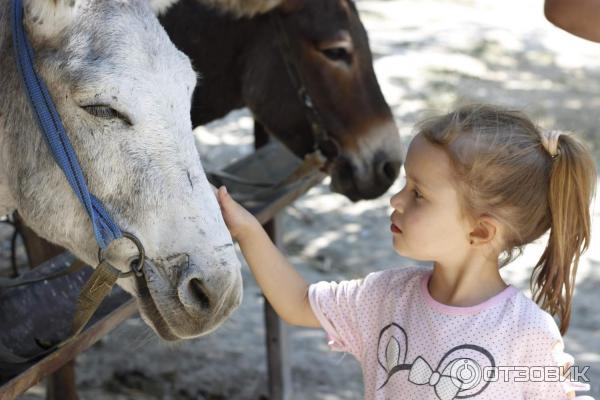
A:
{"points": [[550, 142]]}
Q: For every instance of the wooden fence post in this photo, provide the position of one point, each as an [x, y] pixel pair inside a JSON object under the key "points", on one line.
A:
{"points": [[279, 372]]}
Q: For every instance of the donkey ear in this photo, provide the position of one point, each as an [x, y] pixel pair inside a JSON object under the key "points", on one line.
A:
{"points": [[46, 19]]}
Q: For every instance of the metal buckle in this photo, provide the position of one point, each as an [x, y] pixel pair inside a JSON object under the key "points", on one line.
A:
{"points": [[137, 267]]}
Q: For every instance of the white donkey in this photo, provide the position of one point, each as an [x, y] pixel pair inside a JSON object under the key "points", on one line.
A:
{"points": [[123, 91]]}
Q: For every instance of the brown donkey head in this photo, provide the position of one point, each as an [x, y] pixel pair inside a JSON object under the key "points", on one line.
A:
{"points": [[328, 47], [239, 50]]}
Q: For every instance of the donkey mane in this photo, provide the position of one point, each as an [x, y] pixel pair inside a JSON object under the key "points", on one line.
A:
{"points": [[237, 8]]}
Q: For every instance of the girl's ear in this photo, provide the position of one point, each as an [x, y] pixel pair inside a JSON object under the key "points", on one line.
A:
{"points": [[485, 230]]}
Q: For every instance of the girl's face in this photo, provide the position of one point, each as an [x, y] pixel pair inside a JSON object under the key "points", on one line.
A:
{"points": [[427, 223]]}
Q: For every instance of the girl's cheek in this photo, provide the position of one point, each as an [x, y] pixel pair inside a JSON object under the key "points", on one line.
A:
{"points": [[411, 219]]}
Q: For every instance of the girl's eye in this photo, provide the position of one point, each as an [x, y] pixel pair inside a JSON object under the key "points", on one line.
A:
{"points": [[105, 112]]}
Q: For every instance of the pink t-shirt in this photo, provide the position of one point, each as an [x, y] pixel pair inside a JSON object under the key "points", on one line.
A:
{"points": [[413, 347]]}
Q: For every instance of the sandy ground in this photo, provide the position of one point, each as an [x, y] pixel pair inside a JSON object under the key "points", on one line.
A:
{"points": [[430, 56]]}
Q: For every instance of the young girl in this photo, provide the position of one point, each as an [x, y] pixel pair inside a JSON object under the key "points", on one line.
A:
{"points": [[481, 182]]}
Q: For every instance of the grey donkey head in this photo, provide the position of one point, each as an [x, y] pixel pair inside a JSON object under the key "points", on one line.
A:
{"points": [[123, 91]]}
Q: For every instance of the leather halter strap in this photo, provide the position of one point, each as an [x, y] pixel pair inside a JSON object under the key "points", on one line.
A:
{"points": [[323, 142]]}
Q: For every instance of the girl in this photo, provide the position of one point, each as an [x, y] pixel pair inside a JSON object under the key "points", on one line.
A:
{"points": [[481, 182]]}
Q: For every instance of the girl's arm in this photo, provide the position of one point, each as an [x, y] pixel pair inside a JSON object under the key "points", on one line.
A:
{"points": [[579, 17], [283, 287]]}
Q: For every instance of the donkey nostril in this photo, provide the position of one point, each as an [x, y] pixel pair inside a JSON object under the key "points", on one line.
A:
{"points": [[388, 170], [198, 292]]}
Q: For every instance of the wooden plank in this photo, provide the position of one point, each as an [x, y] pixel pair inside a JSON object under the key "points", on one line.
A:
{"points": [[51, 363]]}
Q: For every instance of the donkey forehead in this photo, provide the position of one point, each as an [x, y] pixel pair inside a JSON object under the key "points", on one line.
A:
{"points": [[124, 49], [320, 18], [142, 65], [127, 35]]}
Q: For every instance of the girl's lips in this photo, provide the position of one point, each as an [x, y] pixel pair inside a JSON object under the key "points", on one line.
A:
{"points": [[395, 229]]}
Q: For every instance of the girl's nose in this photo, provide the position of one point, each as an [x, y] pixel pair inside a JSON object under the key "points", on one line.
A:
{"points": [[396, 202]]}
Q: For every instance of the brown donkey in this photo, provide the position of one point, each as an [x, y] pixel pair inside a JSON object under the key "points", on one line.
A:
{"points": [[261, 62]]}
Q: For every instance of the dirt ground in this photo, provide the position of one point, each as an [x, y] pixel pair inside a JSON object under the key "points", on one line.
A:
{"points": [[430, 55]]}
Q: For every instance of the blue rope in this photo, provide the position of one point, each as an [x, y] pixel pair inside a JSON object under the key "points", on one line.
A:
{"points": [[50, 123]]}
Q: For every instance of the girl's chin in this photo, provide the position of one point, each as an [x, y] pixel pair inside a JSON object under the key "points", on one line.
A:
{"points": [[402, 251], [399, 246]]}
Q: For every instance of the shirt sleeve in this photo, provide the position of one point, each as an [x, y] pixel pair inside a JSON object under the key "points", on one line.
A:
{"points": [[343, 309], [547, 353]]}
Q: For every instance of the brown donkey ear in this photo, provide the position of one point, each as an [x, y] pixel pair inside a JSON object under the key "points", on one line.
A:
{"points": [[290, 6]]}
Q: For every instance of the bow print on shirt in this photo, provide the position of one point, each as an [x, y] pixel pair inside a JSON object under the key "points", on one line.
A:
{"points": [[420, 373], [457, 376]]}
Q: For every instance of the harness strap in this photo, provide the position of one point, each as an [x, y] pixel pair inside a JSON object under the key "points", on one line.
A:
{"points": [[105, 229], [93, 292], [323, 141]]}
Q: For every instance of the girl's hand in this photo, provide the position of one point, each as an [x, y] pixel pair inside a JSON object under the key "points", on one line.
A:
{"points": [[238, 220]]}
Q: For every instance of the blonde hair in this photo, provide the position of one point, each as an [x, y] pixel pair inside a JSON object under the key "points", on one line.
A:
{"points": [[504, 170]]}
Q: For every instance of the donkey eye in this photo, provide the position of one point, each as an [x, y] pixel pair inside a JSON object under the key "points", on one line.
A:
{"points": [[338, 54], [105, 112]]}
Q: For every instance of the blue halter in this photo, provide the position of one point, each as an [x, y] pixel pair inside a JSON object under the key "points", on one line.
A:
{"points": [[105, 229]]}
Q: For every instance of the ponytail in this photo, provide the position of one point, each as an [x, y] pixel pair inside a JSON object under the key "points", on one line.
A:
{"points": [[572, 182]]}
